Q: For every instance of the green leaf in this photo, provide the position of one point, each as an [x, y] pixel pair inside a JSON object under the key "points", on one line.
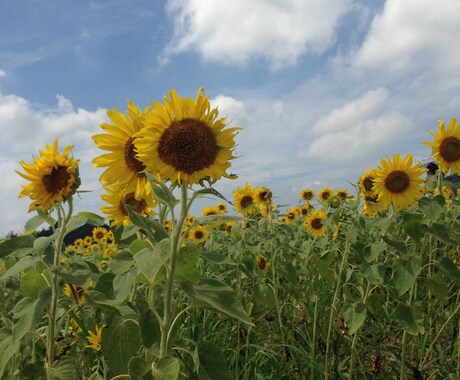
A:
{"points": [[217, 218], [128, 231], [432, 207], [406, 273], [186, 263], [151, 260], [449, 268], [439, 289], [8, 348], [122, 262], [216, 295], [43, 242], [64, 369], [211, 361], [397, 244], [22, 264], [18, 246], [217, 258], [29, 312], [32, 283], [373, 251], [375, 273], [162, 192], [440, 231], [33, 223], [406, 316], [112, 290], [120, 342], [149, 327], [167, 368], [412, 225], [139, 369], [79, 273], [355, 315], [91, 218], [152, 228], [209, 191]]}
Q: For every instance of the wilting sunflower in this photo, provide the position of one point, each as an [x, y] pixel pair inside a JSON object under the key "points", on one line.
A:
{"points": [[185, 141], [366, 182], [446, 147], [198, 234], [243, 198], [398, 182], [324, 194], [123, 167], [53, 177], [116, 211], [95, 339], [307, 194], [314, 222]]}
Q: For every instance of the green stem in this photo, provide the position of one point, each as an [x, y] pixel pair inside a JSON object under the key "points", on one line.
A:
{"points": [[168, 296], [313, 339], [355, 337], [51, 338], [333, 309], [402, 366]]}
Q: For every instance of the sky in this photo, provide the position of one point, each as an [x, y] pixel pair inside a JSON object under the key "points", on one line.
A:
{"points": [[321, 89]]}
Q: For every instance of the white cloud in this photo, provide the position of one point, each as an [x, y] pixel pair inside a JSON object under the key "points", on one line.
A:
{"points": [[365, 139], [25, 130], [352, 112], [2, 73], [412, 36], [236, 31]]}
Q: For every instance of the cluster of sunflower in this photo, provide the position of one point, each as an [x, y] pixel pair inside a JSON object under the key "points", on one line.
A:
{"points": [[182, 141], [253, 202], [398, 181], [100, 245]]}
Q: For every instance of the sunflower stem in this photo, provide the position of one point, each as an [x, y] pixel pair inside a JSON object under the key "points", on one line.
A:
{"points": [[51, 338], [168, 316]]}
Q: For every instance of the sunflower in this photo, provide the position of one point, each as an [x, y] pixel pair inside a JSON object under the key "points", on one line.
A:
{"points": [[198, 234], [446, 147], [99, 234], [78, 292], [95, 339], [334, 201], [366, 182], [228, 227], [371, 207], [185, 141], [307, 194], [305, 209], [398, 182], [314, 223], [342, 194], [189, 219], [123, 167], [263, 195], [292, 214], [243, 198], [53, 177], [262, 263], [116, 211], [222, 207], [324, 194], [210, 210]]}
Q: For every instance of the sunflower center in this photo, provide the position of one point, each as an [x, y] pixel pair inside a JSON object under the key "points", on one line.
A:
{"points": [[131, 161], [57, 180], [138, 206], [199, 235], [316, 224], [246, 201], [368, 183], [261, 263], [325, 195], [450, 149], [188, 145], [397, 181]]}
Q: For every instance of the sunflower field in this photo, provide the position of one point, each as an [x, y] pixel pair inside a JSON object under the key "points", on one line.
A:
{"points": [[361, 284]]}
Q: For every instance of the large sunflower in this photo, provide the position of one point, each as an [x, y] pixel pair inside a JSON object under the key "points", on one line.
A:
{"points": [[116, 211], [398, 182], [53, 177], [185, 141], [243, 198], [446, 147], [123, 167], [314, 223]]}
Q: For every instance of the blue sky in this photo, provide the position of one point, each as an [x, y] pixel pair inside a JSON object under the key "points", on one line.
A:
{"points": [[322, 90]]}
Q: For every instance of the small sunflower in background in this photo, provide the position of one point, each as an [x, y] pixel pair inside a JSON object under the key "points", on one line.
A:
{"points": [[53, 177], [123, 168], [210, 210], [263, 195], [292, 214], [305, 208], [185, 141], [398, 182], [366, 182], [307, 194], [324, 194], [446, 146], [95, 338], [314, 223], [243, 198], [116, 211], [228, 227], [99, 234], [198, 234], [222, 207], [371, 207], [263, 264], [342, 194]]}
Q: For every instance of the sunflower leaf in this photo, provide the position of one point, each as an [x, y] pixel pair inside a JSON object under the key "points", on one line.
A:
{"points": [[209, 191], [162, 192]]}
